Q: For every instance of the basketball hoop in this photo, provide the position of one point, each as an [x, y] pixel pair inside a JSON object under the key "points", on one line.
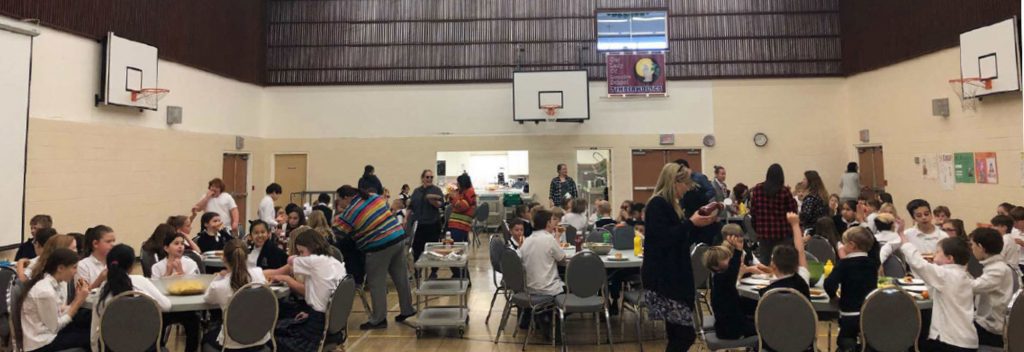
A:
{"points": [[551, 109], [967, 90], [150, 95]]}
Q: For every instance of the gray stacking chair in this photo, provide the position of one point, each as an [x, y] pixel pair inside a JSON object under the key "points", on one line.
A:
{"points": [[799, 331], [514, 276], [131, 322], [7, 278], [483, 211], [701, 274], [587, 285], [821, 249], [496, 246], [1013, 339], [245, 325], [889, 321], [622, 237], [633, 301], [705, 332], [338, 310], [894, 267], [147, 259], [198, 259]]}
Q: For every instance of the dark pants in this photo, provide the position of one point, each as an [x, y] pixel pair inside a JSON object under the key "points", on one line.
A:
{"points": [[765, 248], [615, 281], [849, 330], [190, 322], [936, 346], [458, 236], [986, 338], [680, 337], [355, 260], [211, 339], [67, 338], [425, 233]]}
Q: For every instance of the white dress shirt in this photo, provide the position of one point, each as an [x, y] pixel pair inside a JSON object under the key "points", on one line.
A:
{"points": [[1011, 252], [140, 284], [190, 267], [992, 292], [43, 314], [886, 239], [222, 205], [925, 242], [90, 268], [950, 288], [266, 211], [220, 293], [541, 253], [323, 274]]}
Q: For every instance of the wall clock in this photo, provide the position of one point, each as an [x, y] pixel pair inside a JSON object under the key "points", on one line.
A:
{"points": [[760, 139]]}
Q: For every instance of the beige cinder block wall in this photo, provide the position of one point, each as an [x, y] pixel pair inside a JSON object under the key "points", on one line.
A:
{"points": [[894, 103]]}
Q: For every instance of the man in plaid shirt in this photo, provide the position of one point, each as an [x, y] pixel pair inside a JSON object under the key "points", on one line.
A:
{"points": [[769, 203], [560, 185]]}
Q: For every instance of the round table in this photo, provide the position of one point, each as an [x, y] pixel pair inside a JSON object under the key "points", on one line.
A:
{"points": [[629, 260], [213, 261], [183, 303]]}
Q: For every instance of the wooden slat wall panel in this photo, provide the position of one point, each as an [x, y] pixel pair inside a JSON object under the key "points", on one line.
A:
{"points": [[226, 37], [877, 33], [407, 41]]}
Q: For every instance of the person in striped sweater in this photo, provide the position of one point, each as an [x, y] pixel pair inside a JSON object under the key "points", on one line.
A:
{"points": [[367, 220], [463, 203]]}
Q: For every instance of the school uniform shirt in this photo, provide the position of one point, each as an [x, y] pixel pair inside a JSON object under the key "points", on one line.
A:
{"points": [[1017, 234], [993, 291], [725, 298], [188, 265], [604, 221], [222, 205], [28, 266], [950, 287], [857, 274], [1011, 252], [577, 221], [90, 268], [26, 250], [220, 292], [267, 257], [216, 242], [869, 222], [925, 242], [323, 274], [43, 314], [889, 241], [266, 211], [842, 225], [798, 282], [139, 283], [541, 254]]}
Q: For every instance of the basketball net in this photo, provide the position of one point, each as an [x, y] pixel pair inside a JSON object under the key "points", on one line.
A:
{"points": [[151, 96], [551, 111], [967, 90]]}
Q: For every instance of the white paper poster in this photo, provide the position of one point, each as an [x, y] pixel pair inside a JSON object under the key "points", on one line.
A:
{"points": [[945, 174]]}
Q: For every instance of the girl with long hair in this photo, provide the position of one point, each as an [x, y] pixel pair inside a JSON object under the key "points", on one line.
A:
{"points": [[176, 263], [264, 253], [769, 202], [98, 242], [814, 204], [237, 273], [41, 321], [119, 263]]}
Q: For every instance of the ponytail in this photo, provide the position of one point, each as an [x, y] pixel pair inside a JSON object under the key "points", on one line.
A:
{"points": [[119, 264], [235, 257], [94, 234], [59, 257]]}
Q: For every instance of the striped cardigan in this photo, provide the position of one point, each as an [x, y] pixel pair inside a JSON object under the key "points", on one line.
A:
{"points": [[370, 223], [463, 208]]}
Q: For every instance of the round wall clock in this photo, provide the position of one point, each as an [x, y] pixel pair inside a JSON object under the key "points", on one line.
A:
{"points": [[760, 139], [709, 140]]}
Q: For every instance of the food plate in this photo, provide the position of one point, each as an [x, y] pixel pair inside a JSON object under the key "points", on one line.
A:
{"points": [[818, 293], [755, 282], [762, 276], [910, 281], [915, 288], [612, 258]]}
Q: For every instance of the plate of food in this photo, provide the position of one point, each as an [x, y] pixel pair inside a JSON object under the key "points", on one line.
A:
{"points": [[445, 251], [755, 282], [915, 288], [818, 293], [186, 287], [213, 254], [762, 276], [617, 257], [909, 280]]}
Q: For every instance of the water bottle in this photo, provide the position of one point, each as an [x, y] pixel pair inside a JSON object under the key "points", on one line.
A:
{"points": [[448, 241], [606, 237]]}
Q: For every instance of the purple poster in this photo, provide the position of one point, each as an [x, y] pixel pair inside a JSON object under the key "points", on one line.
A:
{"points": [[636, 74]]}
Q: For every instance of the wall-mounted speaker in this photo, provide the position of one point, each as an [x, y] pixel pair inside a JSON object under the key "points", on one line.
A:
{"points": [[174, 115]]}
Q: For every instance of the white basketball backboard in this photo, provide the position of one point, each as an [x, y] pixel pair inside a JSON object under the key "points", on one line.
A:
{"points": [[991, 52], [531, 91], [129, 67]]}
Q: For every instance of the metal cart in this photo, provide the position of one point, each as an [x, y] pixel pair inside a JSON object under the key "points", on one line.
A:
{"points": [[455, 316]]}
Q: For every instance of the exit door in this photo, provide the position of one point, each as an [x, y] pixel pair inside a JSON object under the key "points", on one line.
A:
{"points": [[647, 165], [872, 170], [235, 176]]}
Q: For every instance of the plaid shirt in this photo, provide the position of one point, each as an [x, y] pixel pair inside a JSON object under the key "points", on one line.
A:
{"points": [[769, 213], [559, 189]]}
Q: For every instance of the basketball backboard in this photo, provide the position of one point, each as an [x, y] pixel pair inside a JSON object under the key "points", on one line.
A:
{"points": [[129, 67], [565, 93], [991, 53]]}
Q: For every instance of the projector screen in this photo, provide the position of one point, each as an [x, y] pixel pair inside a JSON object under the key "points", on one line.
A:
{"points": [[632, 30], [15, 73]]}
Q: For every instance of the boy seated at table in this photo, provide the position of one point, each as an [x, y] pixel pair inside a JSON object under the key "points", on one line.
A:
{"points": [[725, 262], [949, 286], [993, 290], [789, 263], [857, 274], [541, 254]]}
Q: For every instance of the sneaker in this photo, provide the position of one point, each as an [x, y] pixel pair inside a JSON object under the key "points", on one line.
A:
{"points": [[402, 317], [383, 324]]}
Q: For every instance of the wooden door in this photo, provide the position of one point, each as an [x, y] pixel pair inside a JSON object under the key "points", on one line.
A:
{"points": [[235, 176], [647, 165], [290, 173], [872, 169]]}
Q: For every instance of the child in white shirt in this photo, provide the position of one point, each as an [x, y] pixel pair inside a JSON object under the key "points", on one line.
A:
{"points": [[237, 273], [120, 259], [949, 286], [1011, 251], [176, 263], [924, 235], [98, 242], [993, 289], [40, 319]]}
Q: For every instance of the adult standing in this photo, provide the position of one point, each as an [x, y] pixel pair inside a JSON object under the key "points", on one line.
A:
{"points": [[463, 203], [666, 271], [849, 183], [702, 193], [561, 186], [424, 207], [220, 202], [266, 211], [366, 219], [813, 206], [769, 202], [369, 182], [721, 190]]}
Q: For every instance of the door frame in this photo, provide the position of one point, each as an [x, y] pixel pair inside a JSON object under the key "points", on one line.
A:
{"points": [[669, 147], [857, 151], [273, 166], [248, 180]]}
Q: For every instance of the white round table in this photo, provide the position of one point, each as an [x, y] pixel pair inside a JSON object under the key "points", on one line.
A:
{"points": [[629, 260], [184, 303]]}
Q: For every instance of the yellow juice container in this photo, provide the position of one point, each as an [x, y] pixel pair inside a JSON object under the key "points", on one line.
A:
{"points": [[638, 245], [828, 267]]}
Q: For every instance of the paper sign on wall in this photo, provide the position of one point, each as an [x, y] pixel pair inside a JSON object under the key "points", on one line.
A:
{"points": [[963, 167], [946, 175], [985, 168], [929, 165]]}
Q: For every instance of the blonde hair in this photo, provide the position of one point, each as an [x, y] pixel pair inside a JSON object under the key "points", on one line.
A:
{"points": [[715, 255], [318, 221], [731, 230], [665, 188], [887, 208], [557, 213], [604, 208], [860, 237]]}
